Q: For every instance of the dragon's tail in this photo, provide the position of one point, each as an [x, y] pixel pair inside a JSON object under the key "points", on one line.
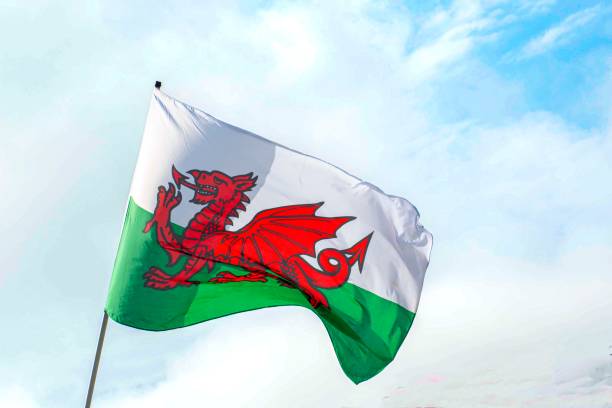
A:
{"points": [[358, 251], [335, 265]]}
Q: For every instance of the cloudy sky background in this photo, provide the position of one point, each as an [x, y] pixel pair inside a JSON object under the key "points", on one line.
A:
{"points": [[493, 118]]}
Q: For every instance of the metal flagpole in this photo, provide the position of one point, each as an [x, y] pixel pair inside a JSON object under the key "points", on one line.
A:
{"points": [[94, 371]]}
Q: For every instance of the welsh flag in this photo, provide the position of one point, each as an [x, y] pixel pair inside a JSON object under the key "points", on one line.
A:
{"points": [[221, 221]]}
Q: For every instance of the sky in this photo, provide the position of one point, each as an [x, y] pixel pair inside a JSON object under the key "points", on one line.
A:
{"points": [[492, 117]]}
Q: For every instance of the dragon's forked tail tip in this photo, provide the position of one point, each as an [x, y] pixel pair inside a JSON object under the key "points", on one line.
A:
{"points": [[358, 251]]}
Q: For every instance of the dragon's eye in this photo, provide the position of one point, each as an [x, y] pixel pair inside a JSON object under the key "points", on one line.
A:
{"points": [[219, 181]]}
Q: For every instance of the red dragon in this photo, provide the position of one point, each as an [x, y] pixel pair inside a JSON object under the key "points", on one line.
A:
{"points": [[270, 246]]}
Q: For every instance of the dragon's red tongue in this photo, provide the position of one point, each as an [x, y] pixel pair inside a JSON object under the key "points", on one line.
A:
{"points": [[181, 179]]}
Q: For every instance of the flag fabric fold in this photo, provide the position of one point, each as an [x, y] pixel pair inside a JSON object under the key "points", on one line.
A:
{"points": [[222, 221]]}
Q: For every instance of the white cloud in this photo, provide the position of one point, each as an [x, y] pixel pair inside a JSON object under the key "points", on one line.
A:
{"points": [[558, 34], [292, 43], [536, 6], [448, 36], [16, 396], [259, 359]]}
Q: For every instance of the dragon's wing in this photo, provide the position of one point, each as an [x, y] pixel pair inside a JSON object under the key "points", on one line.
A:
{"points": [[275, 235]]}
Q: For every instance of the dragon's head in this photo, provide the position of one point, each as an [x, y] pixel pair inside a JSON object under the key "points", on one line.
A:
{"points": [[210, 186]]}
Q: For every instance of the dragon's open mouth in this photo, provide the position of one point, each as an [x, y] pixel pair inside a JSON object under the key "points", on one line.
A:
{"points": [[204, 193], [207, 190]]}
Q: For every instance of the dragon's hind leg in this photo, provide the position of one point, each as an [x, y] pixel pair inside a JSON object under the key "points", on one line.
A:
{"points": [[226, 277]]}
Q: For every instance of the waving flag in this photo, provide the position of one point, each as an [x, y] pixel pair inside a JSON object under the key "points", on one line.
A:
{"points": [[221, 221]]}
